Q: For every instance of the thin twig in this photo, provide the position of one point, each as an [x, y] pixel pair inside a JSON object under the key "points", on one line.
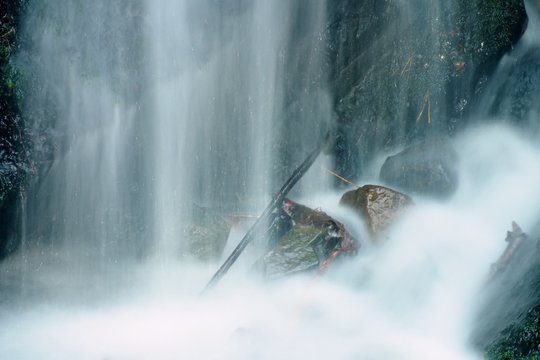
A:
{"points": [[340, 177], [429, 109]]}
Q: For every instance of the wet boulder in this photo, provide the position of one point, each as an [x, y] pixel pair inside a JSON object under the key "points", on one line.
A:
{"points": [[428, 168], [206, 234], [377, 205]]}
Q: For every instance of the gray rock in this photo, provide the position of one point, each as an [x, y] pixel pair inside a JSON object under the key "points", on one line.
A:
{"points": [[427, 168]]}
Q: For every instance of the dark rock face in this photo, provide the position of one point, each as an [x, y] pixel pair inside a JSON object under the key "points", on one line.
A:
{"points": [[427, 168], [515, 95], [14, 143], [377, 205], [10, 180], [402, 71]]}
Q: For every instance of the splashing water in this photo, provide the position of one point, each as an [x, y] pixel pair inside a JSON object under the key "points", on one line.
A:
{"points": [[411, 297], [136, 157]]}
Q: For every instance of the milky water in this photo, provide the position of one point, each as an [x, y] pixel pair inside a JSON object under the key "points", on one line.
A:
{"points": [[410, 297], [169, 103]]}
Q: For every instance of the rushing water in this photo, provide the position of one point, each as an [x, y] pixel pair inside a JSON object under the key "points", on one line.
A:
{"points": [[512, 95], [156, 106], [410, 298], [164, 104]]}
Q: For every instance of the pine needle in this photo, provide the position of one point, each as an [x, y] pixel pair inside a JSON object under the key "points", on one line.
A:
{"points": [[341, 178], [429, 109], [421, 112], [427, 101], [407, 66]]}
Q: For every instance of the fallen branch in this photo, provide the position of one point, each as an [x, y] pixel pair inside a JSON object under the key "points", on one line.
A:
{"points": [[275, 203]]}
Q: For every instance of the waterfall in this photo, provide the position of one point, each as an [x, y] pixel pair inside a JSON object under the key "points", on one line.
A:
{"points": [[157, 107], [221, 104], [89, 197], [512, 93], [152, 109]]}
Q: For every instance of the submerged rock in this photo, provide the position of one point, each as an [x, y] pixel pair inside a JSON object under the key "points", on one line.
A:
{"points": [[379, 206], [206, 235], [427, 168]]}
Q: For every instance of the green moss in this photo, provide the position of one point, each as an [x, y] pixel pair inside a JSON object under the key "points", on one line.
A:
{"points": [[206, 235], [519, 341], [293, 254], [490, 27]]}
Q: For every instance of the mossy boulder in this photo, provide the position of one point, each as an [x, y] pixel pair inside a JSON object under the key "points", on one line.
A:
{"points": [[293, 254], [311, 241]]}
